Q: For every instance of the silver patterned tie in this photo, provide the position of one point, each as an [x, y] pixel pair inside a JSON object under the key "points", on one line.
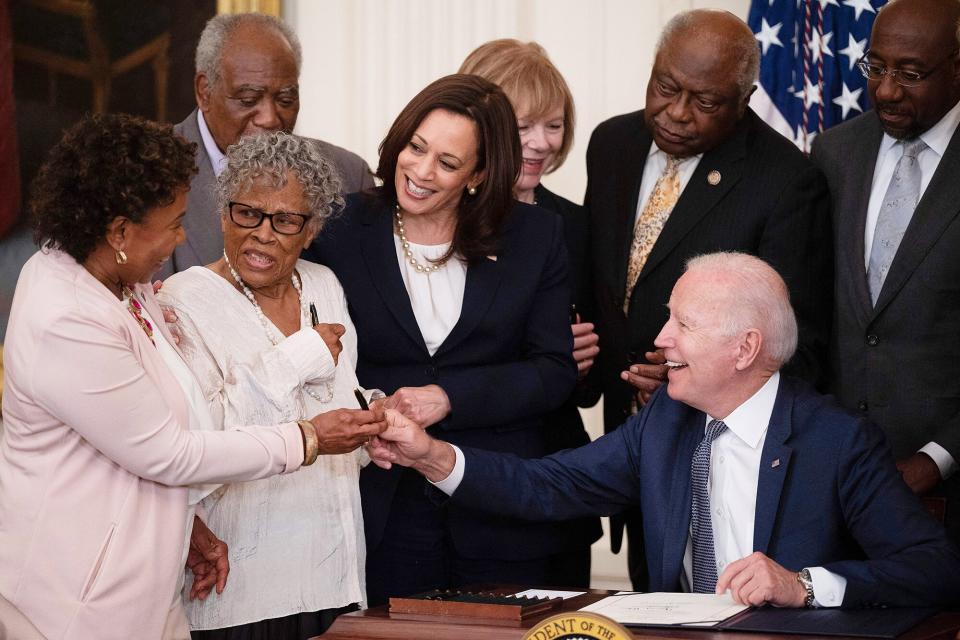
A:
{"points": [[701, 526], [901, 199]]}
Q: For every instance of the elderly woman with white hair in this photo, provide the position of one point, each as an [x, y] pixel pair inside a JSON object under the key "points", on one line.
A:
{"points": [[269, 339]]}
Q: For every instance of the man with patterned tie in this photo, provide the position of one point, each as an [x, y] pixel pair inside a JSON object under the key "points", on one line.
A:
{"points": [[696, 171], [748, 480], [893, 175]]}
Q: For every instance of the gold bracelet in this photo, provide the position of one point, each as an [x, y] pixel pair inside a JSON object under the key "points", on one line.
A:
{"points": [[311, 443]]}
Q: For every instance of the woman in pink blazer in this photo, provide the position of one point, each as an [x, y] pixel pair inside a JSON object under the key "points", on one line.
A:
{"points": [[97, 450]]}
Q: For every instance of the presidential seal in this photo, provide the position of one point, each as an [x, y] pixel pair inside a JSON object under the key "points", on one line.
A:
{"points": [[578, 625]]}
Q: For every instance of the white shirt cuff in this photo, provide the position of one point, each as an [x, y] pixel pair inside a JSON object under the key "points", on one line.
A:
{"points": [[945, 461], [449, 484], [309, 355], [828, 587]]}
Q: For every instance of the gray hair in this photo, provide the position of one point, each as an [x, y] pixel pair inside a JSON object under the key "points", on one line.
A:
{"points": [[273, 155], [698, 24], [762, 301], [210, 48]]}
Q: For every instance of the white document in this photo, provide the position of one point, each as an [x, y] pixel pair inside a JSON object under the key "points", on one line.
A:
{"points": [[691, 609], [544, 593]]}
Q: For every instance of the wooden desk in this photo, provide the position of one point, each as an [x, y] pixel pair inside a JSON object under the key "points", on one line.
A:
{"points": [[376, 624]]}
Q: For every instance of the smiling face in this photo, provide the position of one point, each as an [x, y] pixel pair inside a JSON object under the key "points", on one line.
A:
{"points": [[702, 360], [693, 96], [150, 243], [261, 256], [257, 90], [541, 138], [437, 165], [915, 36]]}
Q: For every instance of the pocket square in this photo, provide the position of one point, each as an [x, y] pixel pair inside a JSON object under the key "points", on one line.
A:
{"points": [[494, 258]]}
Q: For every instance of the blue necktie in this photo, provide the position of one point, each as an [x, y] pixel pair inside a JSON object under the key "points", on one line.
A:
{"points": [[900, 200], [701, 527]]}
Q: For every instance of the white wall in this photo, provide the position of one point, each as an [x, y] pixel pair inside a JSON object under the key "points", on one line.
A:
{"points": [[364, 59]]}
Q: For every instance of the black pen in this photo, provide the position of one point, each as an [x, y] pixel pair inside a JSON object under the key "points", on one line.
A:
{"points": [[361, 399], [314, 319]]}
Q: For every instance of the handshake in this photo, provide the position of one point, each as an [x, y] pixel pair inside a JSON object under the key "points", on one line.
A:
{"points": [[393, 431]]}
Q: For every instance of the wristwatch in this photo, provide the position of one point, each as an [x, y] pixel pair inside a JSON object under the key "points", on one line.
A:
{"points": [[803, 577]]}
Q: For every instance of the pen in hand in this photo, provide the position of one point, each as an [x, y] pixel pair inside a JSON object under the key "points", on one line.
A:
{"points": [[314, 319], [361, 399]]}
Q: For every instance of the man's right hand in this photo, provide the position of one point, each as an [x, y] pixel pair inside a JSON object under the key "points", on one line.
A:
{"points": [[405, 443], [343, 430]]}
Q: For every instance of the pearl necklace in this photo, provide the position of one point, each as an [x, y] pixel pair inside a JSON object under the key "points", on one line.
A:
{"points": [[428, 269], [271, 332]]}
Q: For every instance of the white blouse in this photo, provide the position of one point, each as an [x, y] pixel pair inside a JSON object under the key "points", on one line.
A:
{"points": [[296, 541], [436, 297]]}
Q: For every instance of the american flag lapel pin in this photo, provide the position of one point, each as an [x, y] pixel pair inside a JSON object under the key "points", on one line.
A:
{"points": [[775, 463]]}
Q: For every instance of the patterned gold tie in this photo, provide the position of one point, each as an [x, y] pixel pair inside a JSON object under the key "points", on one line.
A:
{"points": [[650, 223]]}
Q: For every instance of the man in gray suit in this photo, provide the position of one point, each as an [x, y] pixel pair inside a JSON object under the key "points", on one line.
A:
{"points": [[893, 176], [247, 80]]}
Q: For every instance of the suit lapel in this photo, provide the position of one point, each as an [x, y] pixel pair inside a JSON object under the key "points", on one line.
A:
{"points": [[628, 193], [678, 522], [699, 196], [935, 211], [852, 219], [380, 256], [204, 235], [774, 467], [483, 280]]}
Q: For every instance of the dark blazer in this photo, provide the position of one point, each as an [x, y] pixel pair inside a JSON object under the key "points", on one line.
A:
{"points": [[834, 499], [770, 202], [563, 427], [505, 364], [898, 362], [204, 242]]}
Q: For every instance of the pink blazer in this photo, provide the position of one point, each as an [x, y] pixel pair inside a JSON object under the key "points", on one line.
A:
{"points": [[95, 456]]}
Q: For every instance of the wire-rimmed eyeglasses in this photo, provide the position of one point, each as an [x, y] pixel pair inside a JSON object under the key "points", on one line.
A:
{"points": [[903, 77]]}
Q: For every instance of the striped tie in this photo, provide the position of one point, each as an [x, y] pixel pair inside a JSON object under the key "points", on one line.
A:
{"points": [[701, 527]]}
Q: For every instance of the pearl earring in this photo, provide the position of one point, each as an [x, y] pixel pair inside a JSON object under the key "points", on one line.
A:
{"points": [[472, 191]]}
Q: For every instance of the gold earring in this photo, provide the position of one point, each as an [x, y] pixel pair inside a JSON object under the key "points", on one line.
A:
{"points": [[121, 257], [472, 191]]}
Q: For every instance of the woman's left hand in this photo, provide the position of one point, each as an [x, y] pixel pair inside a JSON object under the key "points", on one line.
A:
{"points": [[208, 560], [424, 405], [330, 333]]}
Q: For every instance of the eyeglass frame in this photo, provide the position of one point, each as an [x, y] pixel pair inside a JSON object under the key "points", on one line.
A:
{"points": [[263, 214], [897, 74]]}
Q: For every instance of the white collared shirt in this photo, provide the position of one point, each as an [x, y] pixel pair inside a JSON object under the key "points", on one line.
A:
{"points": [[653, 168], [734, 472], [218, 161], [937, 138]]}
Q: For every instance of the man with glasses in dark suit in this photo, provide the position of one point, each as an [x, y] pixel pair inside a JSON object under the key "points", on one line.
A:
{"points": [[893, 176]]}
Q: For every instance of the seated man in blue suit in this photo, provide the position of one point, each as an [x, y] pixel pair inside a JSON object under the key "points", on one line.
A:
{"points": [[748, 481]]}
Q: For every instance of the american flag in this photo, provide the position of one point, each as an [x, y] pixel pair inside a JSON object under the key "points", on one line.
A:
{"points": [[808, 75]]}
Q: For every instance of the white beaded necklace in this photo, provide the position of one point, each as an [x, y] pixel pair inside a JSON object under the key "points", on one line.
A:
{"points": [[271, 332], [428, 269]]}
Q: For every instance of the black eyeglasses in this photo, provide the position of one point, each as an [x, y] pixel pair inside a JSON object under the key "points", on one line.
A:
{"points": [[288, 224], [903, 77]]}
